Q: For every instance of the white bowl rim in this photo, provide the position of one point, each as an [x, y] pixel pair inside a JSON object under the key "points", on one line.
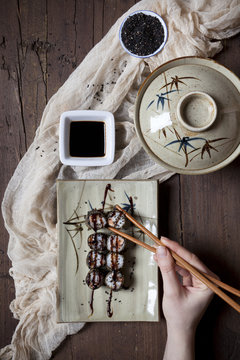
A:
{"points": [[196, 128], [152, 13], [95, 115]]}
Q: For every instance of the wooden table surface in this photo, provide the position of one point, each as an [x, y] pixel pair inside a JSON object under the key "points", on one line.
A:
{"points": [[41, 42]]}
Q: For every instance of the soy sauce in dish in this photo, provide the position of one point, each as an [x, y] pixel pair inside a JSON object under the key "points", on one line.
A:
{"points": [[87, 139]]}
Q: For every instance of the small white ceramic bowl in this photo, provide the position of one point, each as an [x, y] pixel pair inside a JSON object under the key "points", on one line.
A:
{"points": [[86, 116], [196, 111], [151, 13]]}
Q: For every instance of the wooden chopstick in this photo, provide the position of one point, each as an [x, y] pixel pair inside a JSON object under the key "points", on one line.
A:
{"points": [[129, 237], [210, 277], [200, 275], [153, 249], [177, 257]]}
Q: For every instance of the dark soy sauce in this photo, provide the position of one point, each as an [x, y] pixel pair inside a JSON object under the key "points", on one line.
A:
{"points": [[87, 139]]}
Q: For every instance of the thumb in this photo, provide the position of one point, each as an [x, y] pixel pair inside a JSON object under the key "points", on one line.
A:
{"points": [[171, 284]]}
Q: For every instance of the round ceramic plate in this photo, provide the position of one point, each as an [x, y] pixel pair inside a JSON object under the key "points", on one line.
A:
{"points": [[166, 139]]}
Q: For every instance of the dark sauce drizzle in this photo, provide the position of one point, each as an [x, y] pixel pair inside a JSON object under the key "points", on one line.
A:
{"points": [[109, 309], [116, 239], [107, 188], [94, 220], [131, 205], [91, 303], [93, 261]]}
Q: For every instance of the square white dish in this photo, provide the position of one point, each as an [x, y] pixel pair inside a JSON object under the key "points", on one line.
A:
{"points": [[86, 116], [139, 300]]}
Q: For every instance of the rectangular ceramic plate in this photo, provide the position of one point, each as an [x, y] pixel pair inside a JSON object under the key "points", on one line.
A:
{"points": [[139, 300]]}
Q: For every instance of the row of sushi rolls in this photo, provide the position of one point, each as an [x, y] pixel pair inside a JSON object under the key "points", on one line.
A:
{"points": [[105, 259]]}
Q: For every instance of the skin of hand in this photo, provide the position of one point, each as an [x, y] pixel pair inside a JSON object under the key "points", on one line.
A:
{"points": [[184, 302]]}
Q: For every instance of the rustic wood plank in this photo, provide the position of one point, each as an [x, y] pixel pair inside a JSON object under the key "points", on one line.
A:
{"points": [[32, 50], [210, 208], [13, 145], [8, 323], [170, 221], [40, 45], [70, 37], [113, 9]]}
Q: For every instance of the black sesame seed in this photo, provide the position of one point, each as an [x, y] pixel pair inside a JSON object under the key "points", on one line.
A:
{"points": [[142, 34]]}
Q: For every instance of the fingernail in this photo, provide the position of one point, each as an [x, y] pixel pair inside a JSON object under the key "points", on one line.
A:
{"points": [[162, 251], [163, 239]]}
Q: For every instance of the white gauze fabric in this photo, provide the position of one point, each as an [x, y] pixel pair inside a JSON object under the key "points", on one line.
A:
{"points": [[107, 79]]}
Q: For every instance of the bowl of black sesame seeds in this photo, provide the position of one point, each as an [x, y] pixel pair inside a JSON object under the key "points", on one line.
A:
{"points": [[143, 34]]}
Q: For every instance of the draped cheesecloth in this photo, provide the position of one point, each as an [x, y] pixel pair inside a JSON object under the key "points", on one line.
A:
{"points": [[107, 79]]}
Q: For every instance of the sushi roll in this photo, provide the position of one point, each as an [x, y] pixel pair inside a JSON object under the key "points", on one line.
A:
{"points": [[115, 243], [114, 280], [94, 279], [95, 259], [116, 219], [96, 219], [97, 241], [114, 261]]}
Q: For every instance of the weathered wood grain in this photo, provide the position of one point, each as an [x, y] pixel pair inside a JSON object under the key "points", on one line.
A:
{"points": [[41, 43], [210, 221]]}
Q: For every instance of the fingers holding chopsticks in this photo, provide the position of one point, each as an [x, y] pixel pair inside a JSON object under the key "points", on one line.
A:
{"points": [[188, 256], [166, 263], [169, 268], [198, 277], [184, 301]]}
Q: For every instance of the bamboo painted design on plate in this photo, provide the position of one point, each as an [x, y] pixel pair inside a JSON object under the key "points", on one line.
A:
{"points": [[186, 143], [176, 81], [162, 97]]}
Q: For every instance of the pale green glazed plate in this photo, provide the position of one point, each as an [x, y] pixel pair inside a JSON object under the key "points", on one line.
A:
{"points": [[163, 136], [140, 301]]}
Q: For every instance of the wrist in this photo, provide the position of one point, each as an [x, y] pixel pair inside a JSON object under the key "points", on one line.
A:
{"points": [[180, 343], [187, 333]]}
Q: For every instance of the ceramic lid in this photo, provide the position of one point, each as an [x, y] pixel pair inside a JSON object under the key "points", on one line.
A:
{"points": [[187, 115]]}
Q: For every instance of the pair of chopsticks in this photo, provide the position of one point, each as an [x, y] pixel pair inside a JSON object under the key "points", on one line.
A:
{"points": [[211, 282]]}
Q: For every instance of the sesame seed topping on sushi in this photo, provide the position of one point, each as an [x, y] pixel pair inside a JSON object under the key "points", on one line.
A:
{"points": [[116, 219], [96, 220], [94, 279], [114, 280], [95, 259], [114, 261], [115, 243], [97, 241]]}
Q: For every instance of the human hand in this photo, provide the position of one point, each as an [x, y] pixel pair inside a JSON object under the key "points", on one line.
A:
{"points": [[183, 302]]}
